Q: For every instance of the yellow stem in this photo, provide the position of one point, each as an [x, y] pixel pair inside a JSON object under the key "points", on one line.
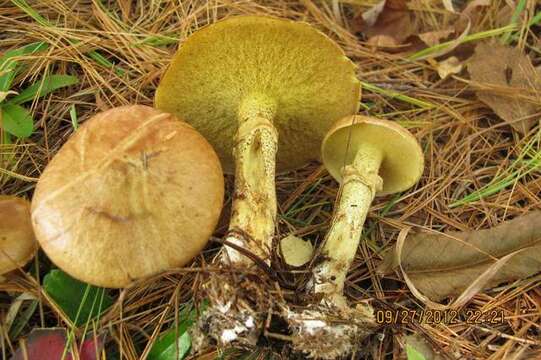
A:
{"points": [[360, 182], [253, 216]]}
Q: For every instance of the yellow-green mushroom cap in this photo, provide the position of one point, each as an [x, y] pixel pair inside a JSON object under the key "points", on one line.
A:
{"points": [[299, 70], [17, 242], [402, 157]]}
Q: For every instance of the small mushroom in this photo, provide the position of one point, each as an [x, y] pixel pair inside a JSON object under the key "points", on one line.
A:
{"points": [[17, 242], [132, 193], [263, 91], [369, 157]]}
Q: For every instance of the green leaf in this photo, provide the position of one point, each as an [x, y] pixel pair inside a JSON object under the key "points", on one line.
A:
{"points": [[43, 87], [166, 347], [8, 63], [17, 121], [177, 341], [413, 354], [81, 302]]}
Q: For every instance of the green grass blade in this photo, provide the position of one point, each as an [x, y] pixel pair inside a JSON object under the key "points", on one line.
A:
{"points": [[93, 54], [103, 61], [43, 87], [506, 38], [396, 95], [468, 38], [73, 117], [158, 40], [528, 161], [23, 319], [9, 64], [23, 5]]}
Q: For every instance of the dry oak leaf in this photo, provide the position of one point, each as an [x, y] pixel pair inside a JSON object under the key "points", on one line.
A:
{"points": [[441, 265], [387, 24], [507, 72]]}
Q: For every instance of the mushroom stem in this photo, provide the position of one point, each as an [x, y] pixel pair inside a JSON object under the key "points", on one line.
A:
{"points": [[359, 186], [253, 215], [331, 328]]}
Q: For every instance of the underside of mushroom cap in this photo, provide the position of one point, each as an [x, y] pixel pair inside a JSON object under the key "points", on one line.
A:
{"points": [[17, 242], [402, 157], [300, 70], [133, 192]]}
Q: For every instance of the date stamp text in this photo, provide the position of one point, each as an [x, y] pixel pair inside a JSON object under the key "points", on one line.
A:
{"points": [[439, 317]]}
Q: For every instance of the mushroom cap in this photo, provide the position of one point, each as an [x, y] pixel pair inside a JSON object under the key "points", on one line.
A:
{"points": [[17, 242], [402, 162], [133, 192], [302, 72]]}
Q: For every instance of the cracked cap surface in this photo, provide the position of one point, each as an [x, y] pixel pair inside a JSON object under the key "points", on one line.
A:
{"points": [[402, 163], [133, 192], [17, 242], [307, 76]]}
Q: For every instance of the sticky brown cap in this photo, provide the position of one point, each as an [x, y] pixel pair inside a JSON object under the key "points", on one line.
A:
{"points": [[296, 68], [133, 192], [17, 242], [402, 163]]}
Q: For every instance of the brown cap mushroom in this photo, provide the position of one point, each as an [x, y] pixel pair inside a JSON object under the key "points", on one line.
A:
{"points": [[368, 156], [263, 91], [17, 242], [133, 192]]}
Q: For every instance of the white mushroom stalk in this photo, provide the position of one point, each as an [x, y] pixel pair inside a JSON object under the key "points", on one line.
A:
{"points": [[369, 157], [253, 215]]}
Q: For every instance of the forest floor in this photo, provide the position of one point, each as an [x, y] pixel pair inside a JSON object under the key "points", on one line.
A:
{"points": [[424, 64]]}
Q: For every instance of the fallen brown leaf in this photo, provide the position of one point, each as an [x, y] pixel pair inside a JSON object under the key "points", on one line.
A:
{"points": [[388, 24], [432, 38], [460, 264], [509, 70], [452, 45], [449, 66]]}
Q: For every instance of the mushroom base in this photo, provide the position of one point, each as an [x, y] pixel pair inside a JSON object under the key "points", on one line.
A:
{"points": [[239, 303], [330, 331]]}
